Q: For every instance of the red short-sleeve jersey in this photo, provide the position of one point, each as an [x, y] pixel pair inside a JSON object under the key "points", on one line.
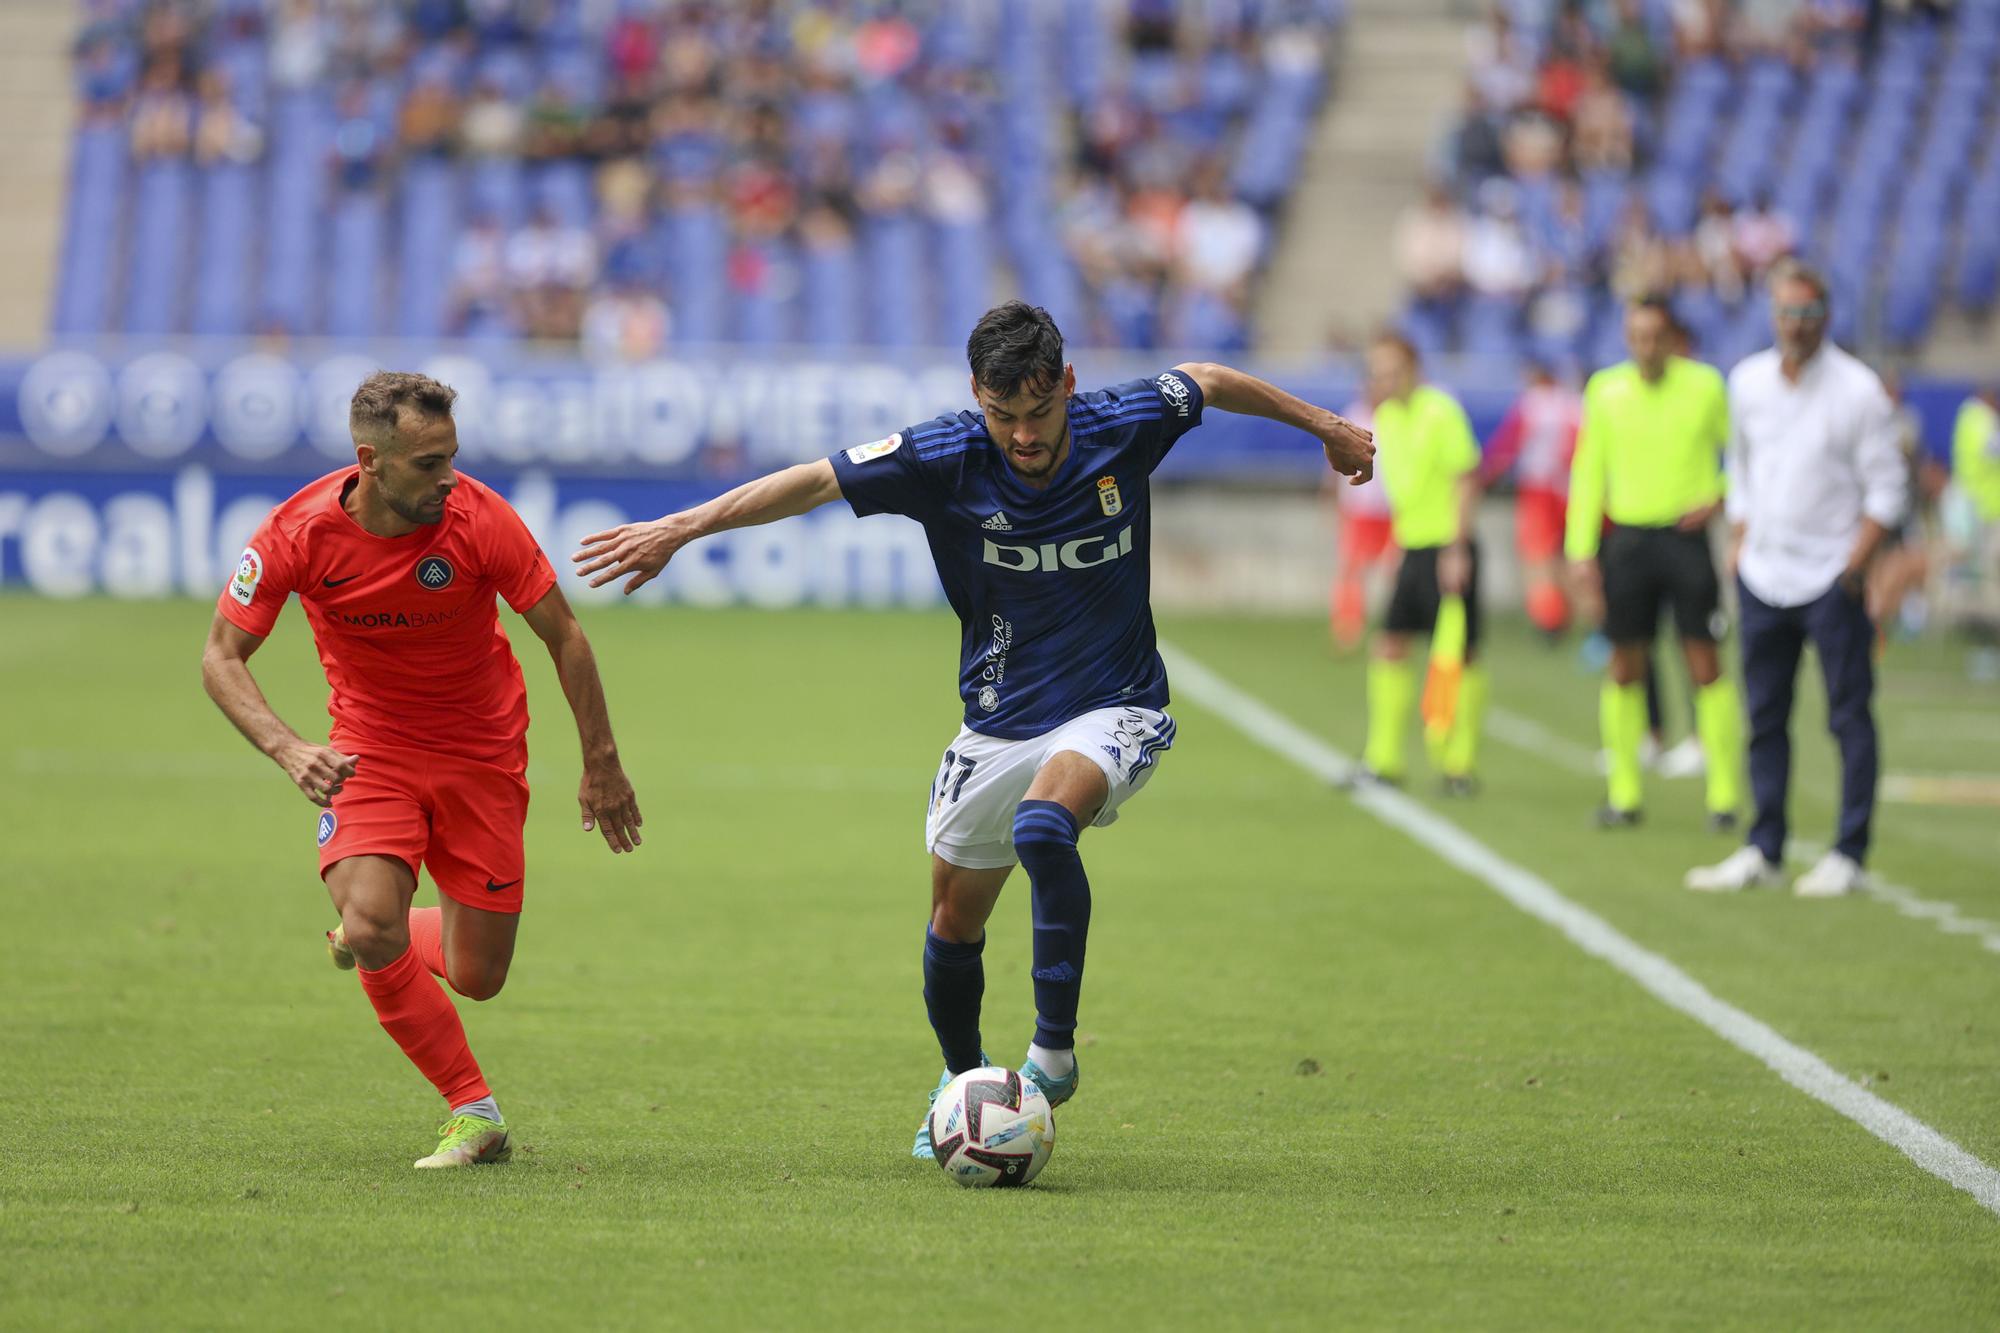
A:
{"points": [[407, 627]]}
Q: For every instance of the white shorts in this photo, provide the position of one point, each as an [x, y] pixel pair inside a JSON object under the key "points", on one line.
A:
{"points": [[971, 818]]}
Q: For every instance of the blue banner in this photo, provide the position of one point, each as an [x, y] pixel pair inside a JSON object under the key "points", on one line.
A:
{"points": [[170, 533]]}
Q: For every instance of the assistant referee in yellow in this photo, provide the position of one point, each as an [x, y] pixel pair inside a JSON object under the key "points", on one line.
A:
{"points": [[1649, 458]]}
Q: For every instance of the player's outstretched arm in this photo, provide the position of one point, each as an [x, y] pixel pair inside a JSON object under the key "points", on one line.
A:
{"points": [[643, 549], [605, 796], [1350, 449], [317, 770]]}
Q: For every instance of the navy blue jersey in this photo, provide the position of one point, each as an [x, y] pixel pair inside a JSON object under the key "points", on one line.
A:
{"points": [[1052, 587]]}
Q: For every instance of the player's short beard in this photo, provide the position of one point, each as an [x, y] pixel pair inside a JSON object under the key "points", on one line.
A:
{"points": [[414, 513], [1047, 469]]}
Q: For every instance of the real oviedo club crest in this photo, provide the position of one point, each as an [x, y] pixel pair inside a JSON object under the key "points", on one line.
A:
{"points": [[1108, 498]]}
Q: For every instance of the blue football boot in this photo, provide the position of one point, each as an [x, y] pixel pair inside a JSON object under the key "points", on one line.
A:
{"points": [[1057, 1090]]}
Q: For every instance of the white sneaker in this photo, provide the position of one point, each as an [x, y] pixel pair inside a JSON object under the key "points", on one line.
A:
{"points": [[1835, 875], [1684, 760], [1744, 868], [1649, 755]]}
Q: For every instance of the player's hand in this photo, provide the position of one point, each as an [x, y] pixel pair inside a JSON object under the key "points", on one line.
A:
{"points": [[317, 770], [1694, 520], [1350, 449], [609, 806], [1586, 581], [639, 549], [1454, 569]]}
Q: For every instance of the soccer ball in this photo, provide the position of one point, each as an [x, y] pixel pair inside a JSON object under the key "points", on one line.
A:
{"points": [[992, 1127]]}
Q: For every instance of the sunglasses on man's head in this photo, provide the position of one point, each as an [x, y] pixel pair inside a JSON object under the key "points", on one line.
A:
{"points": [[1811, 310]]}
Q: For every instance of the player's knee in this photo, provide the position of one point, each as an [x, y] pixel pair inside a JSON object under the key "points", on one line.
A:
{"points": [[376, 938], [956, 922], [479, 983], [1391, 647], [1628, 664]]}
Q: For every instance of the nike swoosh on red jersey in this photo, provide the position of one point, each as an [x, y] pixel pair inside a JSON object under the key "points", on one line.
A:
{"points": [[331, 582]]}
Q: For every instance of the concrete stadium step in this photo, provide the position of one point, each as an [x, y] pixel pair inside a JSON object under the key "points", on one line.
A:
{"points": [[39, 109], [1399, 81]]}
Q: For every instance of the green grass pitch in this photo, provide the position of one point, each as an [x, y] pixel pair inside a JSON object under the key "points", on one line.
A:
{"points": [[1329, 1081]]}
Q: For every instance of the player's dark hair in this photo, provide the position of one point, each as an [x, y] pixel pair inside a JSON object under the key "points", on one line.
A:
{"points": [[1013, 347], [1656, 301], [375, 413]]}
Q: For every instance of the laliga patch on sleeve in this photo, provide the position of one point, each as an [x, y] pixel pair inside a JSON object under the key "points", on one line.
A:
{"points": [[861, 453], [249, 573]]}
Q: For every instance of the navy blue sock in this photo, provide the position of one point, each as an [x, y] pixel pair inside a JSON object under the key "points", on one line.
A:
{"points": [[1045, 840], [954, 983]]}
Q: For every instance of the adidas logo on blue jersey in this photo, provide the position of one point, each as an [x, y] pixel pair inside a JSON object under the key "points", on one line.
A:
{"points": [[998, 523]]}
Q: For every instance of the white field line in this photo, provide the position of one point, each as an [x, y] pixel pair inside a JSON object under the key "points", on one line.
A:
{"points": [[1945, 916], [1524, 733], [1797, 1066]]}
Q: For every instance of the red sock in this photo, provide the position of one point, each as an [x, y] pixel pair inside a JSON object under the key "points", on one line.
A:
{"points": [[427, 938], [417, 1013]]}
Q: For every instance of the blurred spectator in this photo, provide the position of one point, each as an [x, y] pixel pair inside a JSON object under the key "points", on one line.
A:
{"points": [[625, 322], [1600, 124], [549, 266], [223, 134], [359, 145], [1497, 259], [1221, 237], [1715, 248], [298, 46], [1496, 65], [1635, 64], [1430, 245], [479, 277], [162, 118], [1642, 262], [554, 126], [1763, 236], [492, 124], [429, 123]]}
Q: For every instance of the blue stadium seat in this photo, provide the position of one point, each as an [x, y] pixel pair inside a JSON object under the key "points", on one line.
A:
{"points": [[229, 212], [354, 267], [93, 217], [162, 199]]}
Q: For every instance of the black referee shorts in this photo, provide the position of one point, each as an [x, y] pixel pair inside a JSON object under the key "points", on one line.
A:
{"points": [[1645, 568], [1413, 606]]}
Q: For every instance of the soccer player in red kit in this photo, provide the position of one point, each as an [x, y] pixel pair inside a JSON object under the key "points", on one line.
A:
{"points": [[397, 562]]}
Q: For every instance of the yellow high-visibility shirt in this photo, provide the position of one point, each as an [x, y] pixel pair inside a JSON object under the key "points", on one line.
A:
{"points": [[1975, 456], [1423, 445], [1646, 453]]}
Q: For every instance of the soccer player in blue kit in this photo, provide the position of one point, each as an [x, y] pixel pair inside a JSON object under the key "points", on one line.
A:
{"points": [[1039, 519]]}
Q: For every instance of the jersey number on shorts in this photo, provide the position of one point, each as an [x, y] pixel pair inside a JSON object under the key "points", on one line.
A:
{"points": [[946, 782]]}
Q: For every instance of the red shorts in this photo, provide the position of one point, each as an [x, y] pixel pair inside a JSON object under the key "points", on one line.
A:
{"points": [[1538, 523], [461, 817], [1364, 539]]}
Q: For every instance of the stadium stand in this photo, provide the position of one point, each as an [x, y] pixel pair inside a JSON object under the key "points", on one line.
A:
{"points": [[1682, 147], [639, 172]]}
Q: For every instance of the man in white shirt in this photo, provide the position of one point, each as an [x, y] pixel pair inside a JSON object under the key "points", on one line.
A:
{"points": [[1815, 482]]}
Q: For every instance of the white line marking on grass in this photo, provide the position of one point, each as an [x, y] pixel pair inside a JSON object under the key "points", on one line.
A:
{"points": [[1524, 733], [1797, 1066], [1945, 916]]}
